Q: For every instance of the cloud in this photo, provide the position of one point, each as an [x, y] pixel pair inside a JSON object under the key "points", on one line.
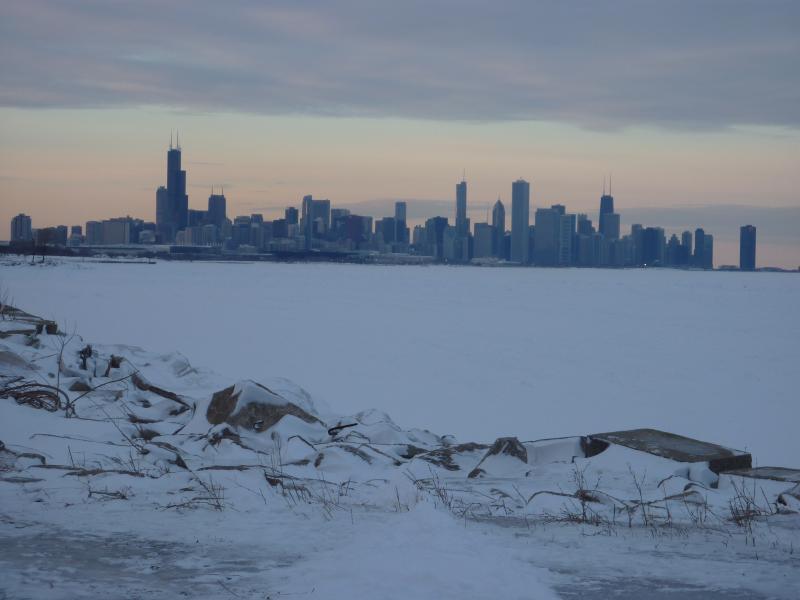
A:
{"points": [[634, 62]]}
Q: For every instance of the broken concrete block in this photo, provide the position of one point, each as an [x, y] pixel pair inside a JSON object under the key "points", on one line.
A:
{"points": [[670, 446]]}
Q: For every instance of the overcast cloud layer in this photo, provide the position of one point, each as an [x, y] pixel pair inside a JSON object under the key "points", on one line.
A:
{"points": [[609, 64]]}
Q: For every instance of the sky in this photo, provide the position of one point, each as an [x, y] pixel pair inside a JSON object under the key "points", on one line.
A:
{"points": [[692, 108]]}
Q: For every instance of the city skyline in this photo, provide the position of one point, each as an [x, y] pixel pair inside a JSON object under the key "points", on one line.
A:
{"points": [[371, 105], [554, 239]]}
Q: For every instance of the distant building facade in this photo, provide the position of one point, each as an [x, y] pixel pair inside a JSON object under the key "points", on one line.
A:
{"points": [[21, 229], [520, 220], [747, 248]]}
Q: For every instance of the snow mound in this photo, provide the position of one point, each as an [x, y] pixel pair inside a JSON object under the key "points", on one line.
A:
{"points": [[505, 457], [253, 406]]}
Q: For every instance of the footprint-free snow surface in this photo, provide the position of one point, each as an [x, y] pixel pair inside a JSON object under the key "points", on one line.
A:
{"points": [[127, 472]]}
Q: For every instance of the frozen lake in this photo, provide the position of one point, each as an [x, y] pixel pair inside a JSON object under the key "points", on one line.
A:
{"points": [[478, 353]]}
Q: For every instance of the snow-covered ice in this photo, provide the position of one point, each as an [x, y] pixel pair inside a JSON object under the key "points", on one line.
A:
{"points": [[532, 353], [275, 464]]}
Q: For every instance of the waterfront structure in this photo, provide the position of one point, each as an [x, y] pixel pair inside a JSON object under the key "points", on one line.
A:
{"points": [[520, 221], [747, 248]]}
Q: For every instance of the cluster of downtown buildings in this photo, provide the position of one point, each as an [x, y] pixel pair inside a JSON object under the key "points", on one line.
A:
{"points": [[556, 238]]}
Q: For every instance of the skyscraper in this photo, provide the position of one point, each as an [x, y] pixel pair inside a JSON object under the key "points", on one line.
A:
{"points": [[499, 228], [306, 220], [21, 230], [747, 248], [654, 242], [520, 220], [566, 234], [462, 224], [548, 236], [400, 222], [608, 222], [321, 209], [217, 209], [584, 225], [172, 203], [708, 251], [484, 240], [698, 259]]}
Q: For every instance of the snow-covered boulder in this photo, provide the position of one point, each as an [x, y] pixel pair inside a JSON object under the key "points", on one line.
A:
{"points": [[502, 456], [252, 406]]}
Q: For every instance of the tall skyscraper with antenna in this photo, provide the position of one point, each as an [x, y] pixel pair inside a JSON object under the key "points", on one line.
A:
{"points": [[608, 223], [462, 223], [172, 203], [217, 208]]}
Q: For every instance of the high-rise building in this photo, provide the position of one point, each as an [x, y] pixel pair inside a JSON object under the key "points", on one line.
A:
{"points": [[566, 234], [321, 209], [75, 235], [196, 217], [520, 220], [117, 231], [306, 220], [499, 227], [584, 225], [698, 259], [94, 233], [462, 224], [708, 252], [483, 246], [654, 248], [291, 215], [434, 236], [608, 222], [637, 235], [548, 236], [217, 209], [172, 203], [673, 255], [686, 248], [386, 230], [400, 210], [606, 204], [747, 248], [21, 230]]}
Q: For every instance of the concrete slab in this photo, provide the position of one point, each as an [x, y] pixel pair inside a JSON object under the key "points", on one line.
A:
{"points": [[773, 473], [671, 446]]}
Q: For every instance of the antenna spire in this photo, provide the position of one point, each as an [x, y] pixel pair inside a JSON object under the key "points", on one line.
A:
{"points": [[178, 139], [170, 139], [609, 184]]}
